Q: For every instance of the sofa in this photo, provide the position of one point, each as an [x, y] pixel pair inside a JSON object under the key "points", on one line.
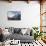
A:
{"points": [[16, 34]]}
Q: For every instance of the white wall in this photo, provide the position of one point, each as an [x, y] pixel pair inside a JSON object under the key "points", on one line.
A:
{"points": [[30, 14]]}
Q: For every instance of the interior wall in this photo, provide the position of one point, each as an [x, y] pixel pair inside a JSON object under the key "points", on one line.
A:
{"points": [[30, 14]]}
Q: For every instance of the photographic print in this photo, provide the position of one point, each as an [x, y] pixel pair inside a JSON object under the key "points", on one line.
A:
{"points": [[14, 15]]}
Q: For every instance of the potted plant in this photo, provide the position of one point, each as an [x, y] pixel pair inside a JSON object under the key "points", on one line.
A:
{"points": [[37, 33]]}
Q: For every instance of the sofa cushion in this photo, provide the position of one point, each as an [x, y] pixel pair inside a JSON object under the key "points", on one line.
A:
{"points": [[23, 31], [11, 30], [17, 30], [20, 37]]}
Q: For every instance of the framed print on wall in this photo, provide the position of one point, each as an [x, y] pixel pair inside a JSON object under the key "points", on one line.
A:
{"points": [[14, 15]]}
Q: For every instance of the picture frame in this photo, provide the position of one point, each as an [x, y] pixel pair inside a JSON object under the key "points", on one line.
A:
{"points": [[14, 15]]}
